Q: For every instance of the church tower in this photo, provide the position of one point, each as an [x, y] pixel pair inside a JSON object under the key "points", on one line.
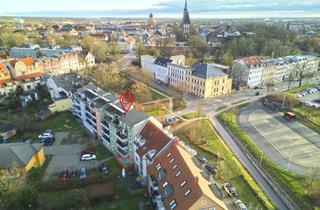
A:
{"points": [[186, 21]]}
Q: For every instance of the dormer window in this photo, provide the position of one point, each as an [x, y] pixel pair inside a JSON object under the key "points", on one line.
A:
{"points": [[174, 167], [165, 184], [158, 167], [168, 155], [178, 174], [187, 192], [183, 183], [171, 160]]}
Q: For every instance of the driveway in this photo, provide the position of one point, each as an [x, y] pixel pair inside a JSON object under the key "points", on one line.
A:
{"points": [[65, 157], [292, 145]]}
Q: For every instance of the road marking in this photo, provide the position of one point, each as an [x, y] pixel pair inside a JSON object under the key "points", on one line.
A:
{"points": [[264, 135]]}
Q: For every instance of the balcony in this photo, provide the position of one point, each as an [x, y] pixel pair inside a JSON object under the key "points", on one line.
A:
{"points": [[122, 136], [105, 124], [123, 145], [122, 152], [106, 139]]}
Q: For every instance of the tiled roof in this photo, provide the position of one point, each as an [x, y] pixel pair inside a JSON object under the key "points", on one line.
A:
{"points": [[155, 139], [27, 61], [252, 60], [30, 76], [177, 166]]}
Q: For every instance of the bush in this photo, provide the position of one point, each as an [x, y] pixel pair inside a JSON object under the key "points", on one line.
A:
{"points": [[27, 198], [290, 100]]}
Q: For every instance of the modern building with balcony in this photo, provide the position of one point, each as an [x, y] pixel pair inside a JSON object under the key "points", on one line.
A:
{"points": [[103, 116]]}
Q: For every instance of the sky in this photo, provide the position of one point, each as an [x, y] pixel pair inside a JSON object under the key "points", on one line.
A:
{"points": [[162, 8]]}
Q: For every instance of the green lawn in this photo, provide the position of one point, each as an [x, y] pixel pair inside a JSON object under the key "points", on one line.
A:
{"points": [[300, 89], [156, 96], [156, 110], [230, 170], [294, 185], [193, 115], [102, 152], [61, 122]]}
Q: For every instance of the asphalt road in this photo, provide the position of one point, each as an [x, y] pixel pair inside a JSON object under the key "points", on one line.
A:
{"points": [[249, 165]]}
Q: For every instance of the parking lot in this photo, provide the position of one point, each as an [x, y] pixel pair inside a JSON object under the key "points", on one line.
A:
{"points": [[290, 144], [310, 97], [65, 156]]}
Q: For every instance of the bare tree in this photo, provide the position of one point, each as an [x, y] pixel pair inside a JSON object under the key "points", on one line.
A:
{"points": [[301, 71], [270, 84]]}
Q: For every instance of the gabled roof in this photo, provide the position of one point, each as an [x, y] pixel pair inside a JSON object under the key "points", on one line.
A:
{"points": [[17, 154], [205, 70], [176, 166], [162, 61], [155, 139], [27, 61]]}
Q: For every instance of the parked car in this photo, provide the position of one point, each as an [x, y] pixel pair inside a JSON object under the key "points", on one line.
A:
{"points": [[63, 175], [240, 205], [83, 173], [103, 168], [47, 141], [88, 151], [212, 169], [258, 93], [46, 134], [201, 159], [309, 104], [72, 174], [87, 157], [4, 142], [289, 116], [230, 189]]}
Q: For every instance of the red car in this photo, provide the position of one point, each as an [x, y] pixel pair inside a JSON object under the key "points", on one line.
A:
{"points": [[88, 151]]}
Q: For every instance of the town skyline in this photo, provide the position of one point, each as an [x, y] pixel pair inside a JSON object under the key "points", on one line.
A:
{"points": [[163, 9]]}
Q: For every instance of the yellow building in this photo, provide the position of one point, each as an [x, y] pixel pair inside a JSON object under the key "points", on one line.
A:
{"points": [[23, 156], [201, 79], [61, 105]]}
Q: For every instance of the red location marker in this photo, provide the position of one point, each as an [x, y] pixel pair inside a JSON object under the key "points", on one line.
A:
{"points": [[126, 101]]}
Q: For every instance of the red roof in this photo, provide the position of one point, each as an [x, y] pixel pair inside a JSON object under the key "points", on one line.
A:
{"points": [[27, 61], [155, 139], [183, 177], [30, 76]]}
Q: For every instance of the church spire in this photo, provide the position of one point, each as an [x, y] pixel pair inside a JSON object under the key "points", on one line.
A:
{"points": [[186, 5]]}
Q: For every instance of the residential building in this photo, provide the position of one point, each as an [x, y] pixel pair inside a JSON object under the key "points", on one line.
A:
{"points": [[126, 44], [176, 182], [50, 66], [147, 62], [23, 68], [90, 60], [103, 116], [56, 51], [150, 142], [24, 51], [4, 78], [22, 156], [61, 105], [160, 69], [255, 71], [205, 81], [69, 62]]}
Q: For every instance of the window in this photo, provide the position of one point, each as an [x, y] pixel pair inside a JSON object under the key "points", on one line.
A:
{"points": [[171, 160], [158, 167], [168, 155], [178, 174], [183, 184], [165, 184], [187, 192], [173, 204], [174, 167]]}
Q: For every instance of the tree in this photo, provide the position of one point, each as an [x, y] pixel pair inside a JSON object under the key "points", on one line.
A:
{"points": [[227, 59], [97, 47], [34, 174], [10, 39], [270, 84], [168, 42], [140, 51], [154, 52], [141, 92], [198, 44], [27, 198], [301, 71]]}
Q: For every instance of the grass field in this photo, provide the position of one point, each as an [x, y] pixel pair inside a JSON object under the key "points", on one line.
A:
{"points": [[193, 115], [156, 110], [230, 170], [295, 186]]}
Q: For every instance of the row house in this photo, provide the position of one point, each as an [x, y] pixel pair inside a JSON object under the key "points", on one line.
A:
{"points": [[176, 181], [254, 71], [23, 72], [126, 44]]}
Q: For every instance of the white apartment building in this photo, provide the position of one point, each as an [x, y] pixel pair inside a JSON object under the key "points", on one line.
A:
{"points": [[23, 52], [147, 62], [255, 71]]}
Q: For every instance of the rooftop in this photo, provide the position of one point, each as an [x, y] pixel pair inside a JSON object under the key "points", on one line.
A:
{"points": [[205, 70], [17, 154]]}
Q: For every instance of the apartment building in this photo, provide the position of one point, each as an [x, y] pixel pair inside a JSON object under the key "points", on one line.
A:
{"points": [[255, 71], [6, 85], [126, 44], [56, 51], [24, 51], [103, 116], [69, 62], [176, 182], [147, 62]]}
